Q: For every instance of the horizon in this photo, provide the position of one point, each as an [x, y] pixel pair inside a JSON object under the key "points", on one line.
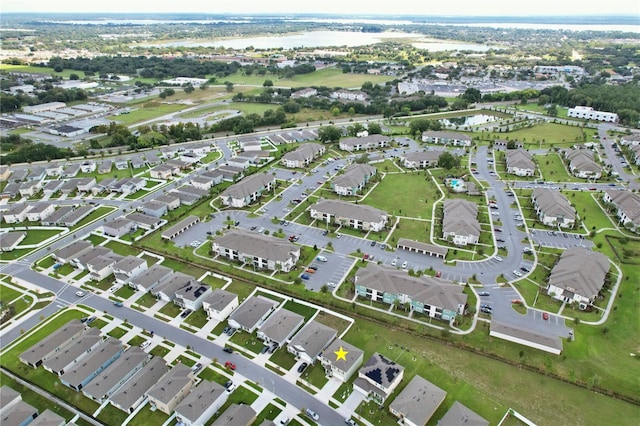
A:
{"points": [[417, 8]]}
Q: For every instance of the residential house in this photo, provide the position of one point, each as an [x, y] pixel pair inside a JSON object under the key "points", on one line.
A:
{"points": [[129, 267], [357, 216], [152, 159], [82, 260], [88, 167], [303, 155], [378, 378], [582, 164], [181, 165], [75, 216], [236, 415], [14, 411], [434, 297], [167, 288], [145, 221], [40, 211], [163, 171], [202, 183], [128, 397], [118, 227], [121, 163], [310, 341], [520, 162], [105, 167], [53, 343], [186, 199], [280, 327], [167, 393], [137, 162], [57, 216], [130, 185], [370, 142], [446, 138], [5, 172], [11, 190], [578, 276], [341, 360], [18, 175], [30, 188], [69, 186], [154, 208], [627, 206], [36, 174], [85, 184], [202, 403], [252, 313], [172, 203], [353, 180], [149, 279], [72, 251], [417, 402], [460, 222], [231, 174], [421, 159], [53, 170], [257, 250], [503, 145], [635, 149], [180, 227], [70, 171], [553, 208], [219, 304], [115, 375], [190, 189], [10, 240], [52, 187], [47, 418], [459, 415], [192, 296], [248, 190], [17, 213], [215, 175], [62, 361]]}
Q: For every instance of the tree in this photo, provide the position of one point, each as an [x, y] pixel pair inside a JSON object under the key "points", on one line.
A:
{"points": [[329, 134], [74, 76], [374, 129], [448, 161], [229, 86], [472, 95], [188, 88], [267, 83]]}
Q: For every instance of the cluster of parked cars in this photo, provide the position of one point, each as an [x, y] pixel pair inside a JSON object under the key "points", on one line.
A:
{"points": [[229, 331]]}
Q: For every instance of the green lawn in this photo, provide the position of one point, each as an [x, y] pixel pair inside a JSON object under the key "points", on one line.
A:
{"points": [[411, 229], [270, 412], [117, 332], [147, 417], [553, 169], [147, 111], [170, 309], [147, 300], [545, 135], [283, 358], [306, 311], [40, 70], [125, 292], [36, 236], [197, 318], [405, 194], [241, 395]]}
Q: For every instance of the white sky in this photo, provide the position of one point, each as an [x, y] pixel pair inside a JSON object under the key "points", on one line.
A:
{"points": [[342, 7]]}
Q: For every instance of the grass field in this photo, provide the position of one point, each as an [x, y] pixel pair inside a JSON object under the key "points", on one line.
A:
{"points": [[553, 169], [39, 70], [545, 135], [148, 111], [404, 194]]}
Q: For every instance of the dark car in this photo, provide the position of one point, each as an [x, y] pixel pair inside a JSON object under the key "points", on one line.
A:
{"points": [[373, 243], [264, 349], [314, 267], [305, 276], [229, 383], [185, 313], [483, 293], [228, 350], [325, 232], [501, 240], [302, 367], [524, 269], [226, 330]]}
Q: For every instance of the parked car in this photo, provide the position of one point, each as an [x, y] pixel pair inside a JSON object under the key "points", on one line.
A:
{"points": [[325, 232], [373, 243], [498, 258], [231, 387], [284, 420], [228, 383], [321, 259], [516, 301], [118, 304], [545, 316], [145, 344], [226, 330], [483, 293], [302, 367], [197, 367], [264, 349], [305, 276], [350, 422], [405, 264], [312, 414], [80, 293], [517, 273], [90, 320], [311, 270], [331, 284], [185, 313], [228, 349], [229, 365], [314, 267], [394, 262]]}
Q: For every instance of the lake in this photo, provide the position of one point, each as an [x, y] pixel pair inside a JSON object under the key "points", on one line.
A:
{"points": [[325, 39]]}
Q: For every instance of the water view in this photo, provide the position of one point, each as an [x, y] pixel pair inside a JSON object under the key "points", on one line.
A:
{"points": [[326, 38]]}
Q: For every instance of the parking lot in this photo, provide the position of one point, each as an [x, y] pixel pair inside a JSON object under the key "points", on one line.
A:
{"points": [[559, 239]]}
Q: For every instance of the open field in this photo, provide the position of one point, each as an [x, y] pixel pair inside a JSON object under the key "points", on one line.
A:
{"points": [[404, 194], [40, 70], [545, 135]]}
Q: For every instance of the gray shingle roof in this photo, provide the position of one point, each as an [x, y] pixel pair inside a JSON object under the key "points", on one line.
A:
{"points": [[171, 383], [257, 245], [281, 324], [581, 270], [199, 400], [344, 209], [552, 203], [252, 310], [140, 383], [460, 415], [313, 338], [419, 400], [460, 217]]}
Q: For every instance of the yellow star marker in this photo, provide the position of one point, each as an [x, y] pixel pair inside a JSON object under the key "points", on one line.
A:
{"points": [[341, 354]]}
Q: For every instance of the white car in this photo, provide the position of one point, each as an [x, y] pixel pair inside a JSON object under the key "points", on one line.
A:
{"points": [[80, 293], [495, 213], [405, 264], [517, 273], [394, 262], [498, 258], [145, 344], [332, 285]]}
